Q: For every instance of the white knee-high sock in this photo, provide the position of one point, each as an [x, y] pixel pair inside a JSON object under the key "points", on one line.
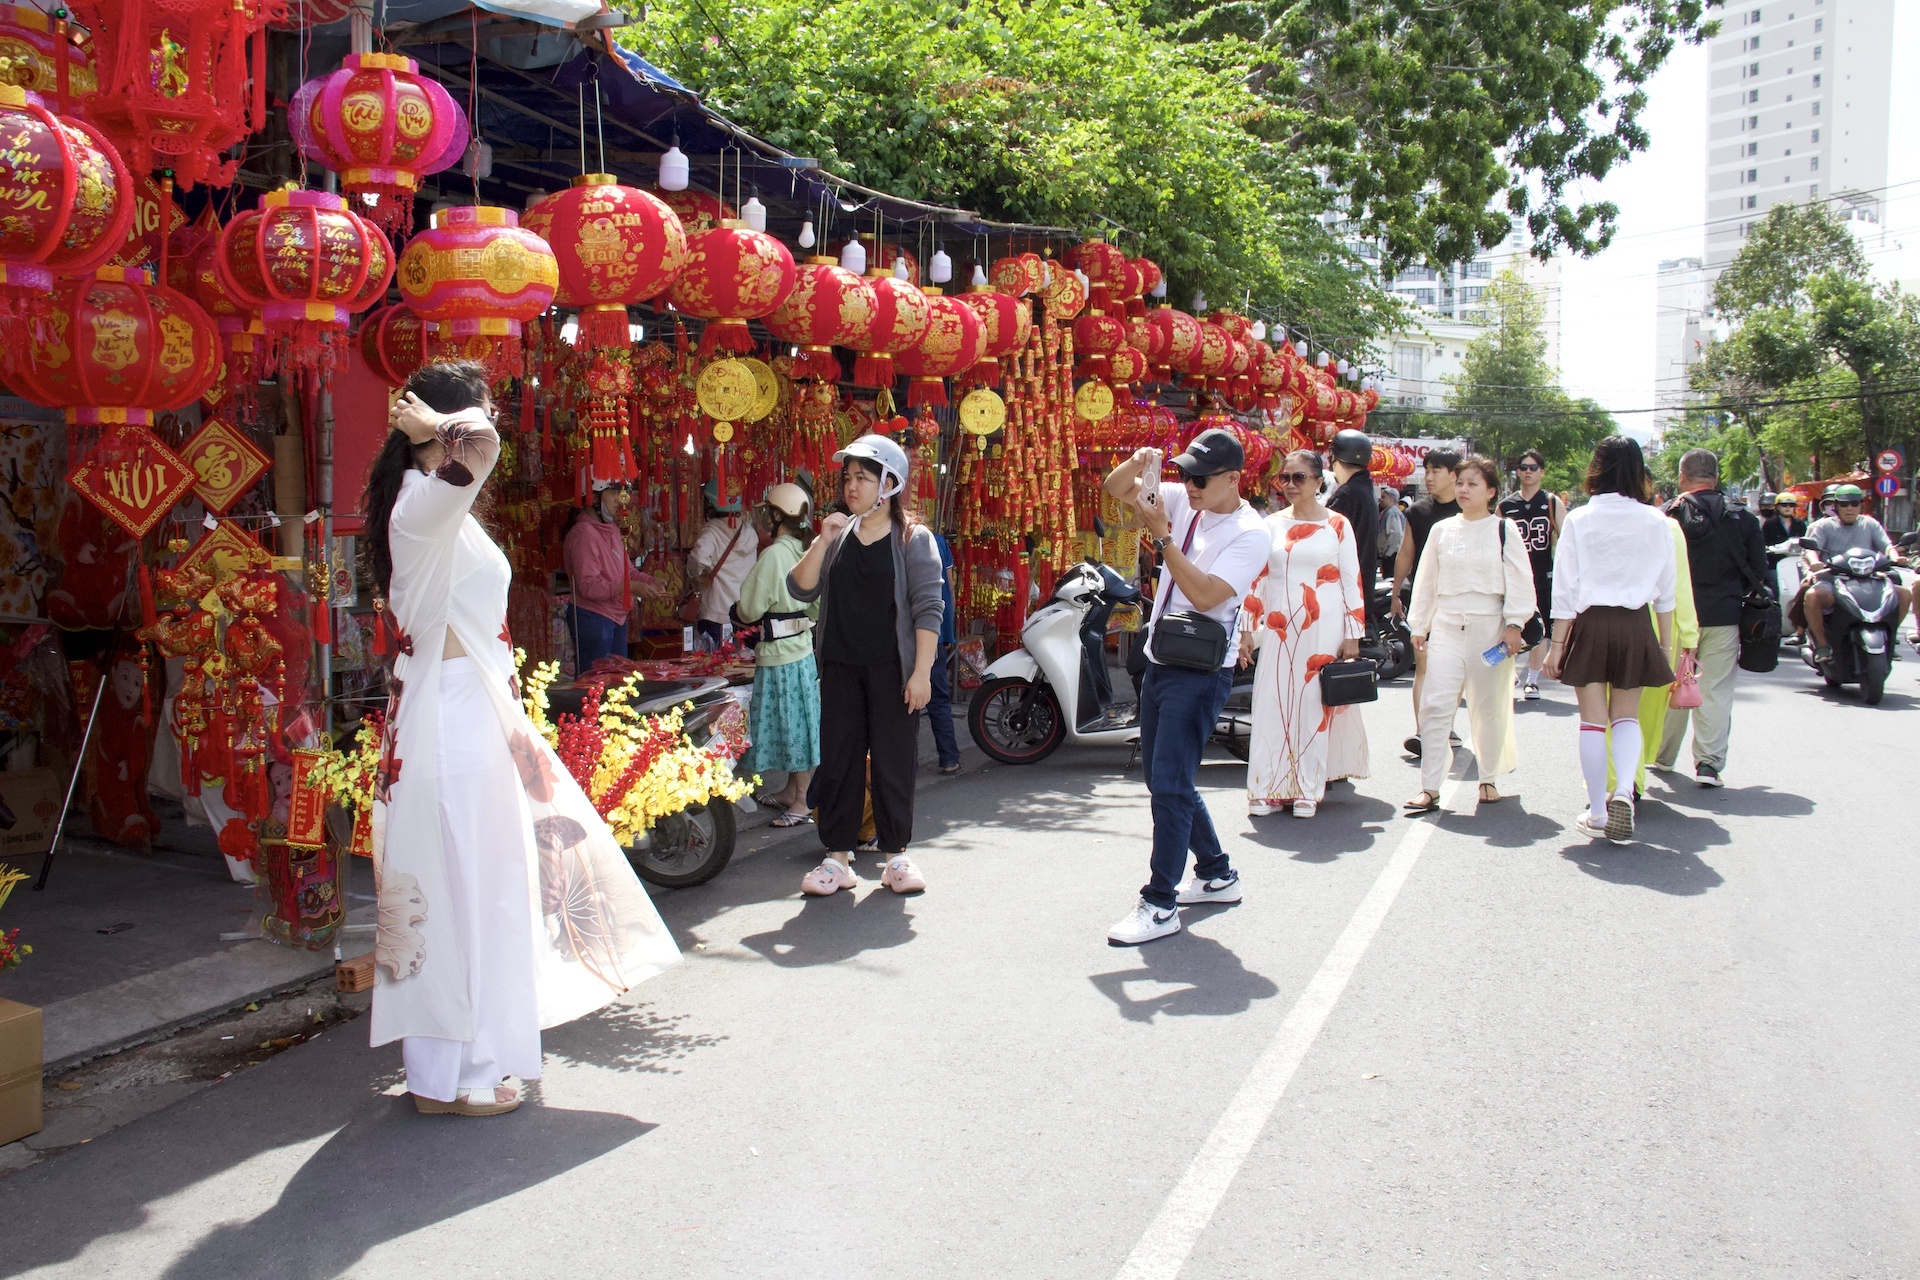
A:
{"points": [[1626, 754], [1593, 767]]}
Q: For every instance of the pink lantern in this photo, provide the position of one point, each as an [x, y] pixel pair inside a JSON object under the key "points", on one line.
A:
{"points": [[475, 276]]}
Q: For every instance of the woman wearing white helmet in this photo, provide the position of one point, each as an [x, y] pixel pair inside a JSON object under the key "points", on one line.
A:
{"points": [[876, 576], [786, 683]]}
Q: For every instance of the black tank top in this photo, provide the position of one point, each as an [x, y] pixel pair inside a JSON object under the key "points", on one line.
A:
{"points": [[1534, 516]]}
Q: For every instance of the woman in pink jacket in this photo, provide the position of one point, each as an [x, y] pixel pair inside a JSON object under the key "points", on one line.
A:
{"points": [[603, 579]]}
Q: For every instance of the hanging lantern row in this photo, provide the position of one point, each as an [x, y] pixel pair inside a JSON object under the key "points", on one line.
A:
{"points": [[475, 276], [305, 263], [69, 198]]}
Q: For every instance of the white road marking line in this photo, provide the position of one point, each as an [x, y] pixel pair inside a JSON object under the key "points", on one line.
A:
{"points": [[1164, 1248]]}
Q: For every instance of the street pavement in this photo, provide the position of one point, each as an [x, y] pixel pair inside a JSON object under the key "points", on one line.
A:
{"points": [[1468, 1045]]}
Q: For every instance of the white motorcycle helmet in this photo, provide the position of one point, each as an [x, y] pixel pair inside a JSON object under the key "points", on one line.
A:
{"points": [[884, 453]]}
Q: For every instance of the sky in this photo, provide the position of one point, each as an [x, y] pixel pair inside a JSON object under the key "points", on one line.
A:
{"points": [[1607, 304]]}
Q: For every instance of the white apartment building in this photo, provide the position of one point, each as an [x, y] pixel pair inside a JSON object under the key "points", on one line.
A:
{"points": [[1798, 109], [1682, 327], [1421, 360]]}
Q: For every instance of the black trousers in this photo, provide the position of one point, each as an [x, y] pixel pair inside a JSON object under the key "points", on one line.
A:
{"points": [[864, 717]]}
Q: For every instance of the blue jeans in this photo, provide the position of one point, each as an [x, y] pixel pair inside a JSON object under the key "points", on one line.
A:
{"points": [[1178, 709], [594, 637], [940, 710]]}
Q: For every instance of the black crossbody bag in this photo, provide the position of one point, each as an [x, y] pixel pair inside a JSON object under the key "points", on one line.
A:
{"points": [[1536, 629], [1187, 638]]}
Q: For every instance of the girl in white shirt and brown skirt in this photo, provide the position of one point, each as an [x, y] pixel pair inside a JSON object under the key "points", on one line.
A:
{"points": [[1615, 558]]}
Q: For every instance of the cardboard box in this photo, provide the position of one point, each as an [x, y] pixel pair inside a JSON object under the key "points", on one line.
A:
{"points": [[29, 807], [20, 1053]]}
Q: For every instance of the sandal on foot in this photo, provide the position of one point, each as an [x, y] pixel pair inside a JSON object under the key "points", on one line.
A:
{"points": [[1425, 802], [769, 800], [1489, 794], [790, 819], [470, 1102]]}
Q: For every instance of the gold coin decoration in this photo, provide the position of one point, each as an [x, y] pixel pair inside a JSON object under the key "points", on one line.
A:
{"points": [[982, 412], [722, 432], [726, 389], [766, 393], [1093, 401]]}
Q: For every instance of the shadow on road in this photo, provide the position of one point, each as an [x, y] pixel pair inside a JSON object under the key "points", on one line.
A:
{"points": [[1648, 865], [1505, 824], [1347, 822], [1741, 802], [626, 1037], [829, 930], [1214, 981]]}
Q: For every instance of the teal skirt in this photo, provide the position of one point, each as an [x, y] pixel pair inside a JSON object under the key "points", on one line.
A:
{"points": [[784, 724]]}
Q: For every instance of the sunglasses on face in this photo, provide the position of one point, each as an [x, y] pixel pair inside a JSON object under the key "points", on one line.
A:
{"points": [[1297, 477], [1529, 466], [1197, 482], [1847, 504]]}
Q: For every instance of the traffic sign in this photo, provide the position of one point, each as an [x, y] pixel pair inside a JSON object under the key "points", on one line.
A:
{"points": [[1886, 486], [1888, 459]]}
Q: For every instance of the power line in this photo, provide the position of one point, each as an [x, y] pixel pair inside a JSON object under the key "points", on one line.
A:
{"points": [[1731, 405]]}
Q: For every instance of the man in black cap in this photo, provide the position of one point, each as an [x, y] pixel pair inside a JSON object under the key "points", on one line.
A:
{"points": [[1211, 545], [1354, 498]]}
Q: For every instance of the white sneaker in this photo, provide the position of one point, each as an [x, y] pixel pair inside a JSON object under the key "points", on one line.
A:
{"points": [[1619, 819], [1196, 891], [1587, 827], [1531, 691], [1146, 923], [829, 878]]}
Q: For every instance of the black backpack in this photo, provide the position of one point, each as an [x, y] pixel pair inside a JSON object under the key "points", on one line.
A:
{"points": [[1759, 610]]}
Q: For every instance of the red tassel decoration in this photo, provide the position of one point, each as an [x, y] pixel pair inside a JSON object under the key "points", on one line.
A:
{"points": [[923, 393], [873, 369], [148, 614], [380, 628], [322, 622], [726, 335], [603, 325]]}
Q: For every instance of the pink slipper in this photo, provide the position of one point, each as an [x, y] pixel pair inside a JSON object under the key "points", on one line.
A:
{"points": [[902, 876], [829, 878]]}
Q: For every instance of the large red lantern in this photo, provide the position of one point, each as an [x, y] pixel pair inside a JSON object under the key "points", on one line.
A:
{"points": [[696, 210], [1096, 337], [954, 342], [117, 348], [1105, 269], [382, 126], [1181, 340], [829, 307], [66, 200], [1008, 320], [734, 274], [1212, 357], [476, 275], [899, 323], [306, 263], [393, 342], [1128, 366], [181, 81], [615, 246]]}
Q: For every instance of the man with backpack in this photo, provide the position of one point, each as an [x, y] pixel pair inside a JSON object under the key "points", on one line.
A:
{"points": [[1728, 562]]}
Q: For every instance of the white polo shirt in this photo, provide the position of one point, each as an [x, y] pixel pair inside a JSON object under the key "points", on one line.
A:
{"points": [[1232, 546]]}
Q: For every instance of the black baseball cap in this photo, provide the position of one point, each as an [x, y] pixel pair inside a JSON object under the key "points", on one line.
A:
{"points": [[1211, 452]]}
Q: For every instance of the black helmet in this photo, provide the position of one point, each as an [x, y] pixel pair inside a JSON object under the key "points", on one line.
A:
{"points": [[1352, 447]]}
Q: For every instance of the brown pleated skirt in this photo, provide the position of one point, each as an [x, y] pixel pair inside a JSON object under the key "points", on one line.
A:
{"points": [[1614, 646]]}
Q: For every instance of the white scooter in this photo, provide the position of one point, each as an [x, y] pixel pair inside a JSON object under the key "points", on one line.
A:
{"points": [[1056, 689]]}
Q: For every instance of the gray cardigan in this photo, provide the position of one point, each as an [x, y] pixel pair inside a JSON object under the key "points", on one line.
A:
{"points": [[918, 604]]}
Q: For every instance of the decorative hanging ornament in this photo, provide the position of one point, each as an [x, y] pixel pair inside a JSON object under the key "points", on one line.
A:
{"points": [[1065, 295], [829, 307], [1096, 336], [382, 126], [982, 412], [899, 323], [954, 342], [181, 81], [1019, 275], [116, 348], [1105, 268], [615, 246], [475, 276], [1180, 340], [393, 342], [734, 274], [306, 263], [225, 464], [68, 200], [38, 50], [1007, 321], [132, 477]]}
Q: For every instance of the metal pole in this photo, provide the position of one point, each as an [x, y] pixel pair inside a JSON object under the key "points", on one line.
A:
{"points": [[325, 491], [79, 763]]}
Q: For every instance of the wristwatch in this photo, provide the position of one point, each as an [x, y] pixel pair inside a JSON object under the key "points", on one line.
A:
{"points": [[1160, 544]]}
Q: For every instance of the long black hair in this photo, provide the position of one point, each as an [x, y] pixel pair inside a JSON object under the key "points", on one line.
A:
{"points": [[446, 386], [1619, 467]]}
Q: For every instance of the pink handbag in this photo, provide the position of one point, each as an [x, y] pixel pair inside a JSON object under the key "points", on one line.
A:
{"points": [[1685, 694]]}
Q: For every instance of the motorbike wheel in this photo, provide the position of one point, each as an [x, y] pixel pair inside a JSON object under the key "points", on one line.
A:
{"points": [[1873, 677], [1396, 654], [1234, 729], [687, 848], [1016, 721]]}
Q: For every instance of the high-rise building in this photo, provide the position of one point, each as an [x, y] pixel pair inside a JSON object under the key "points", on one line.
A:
{"points": [[1681, 329], [1799, 108]]}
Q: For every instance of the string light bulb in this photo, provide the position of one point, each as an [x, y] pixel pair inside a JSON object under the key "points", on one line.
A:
{"points": [[674, 169], [853, 257], [807, 239], [940, 267], [754, 214]]}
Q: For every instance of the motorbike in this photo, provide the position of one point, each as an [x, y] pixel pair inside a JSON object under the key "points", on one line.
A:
{"points": [[1056, 687], [694, 845], [1389, 641], [1860, 628]]}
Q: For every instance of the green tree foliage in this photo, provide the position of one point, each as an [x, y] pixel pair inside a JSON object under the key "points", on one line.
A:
{"points": [[1823, 365], [1064, 113], [1429, 117]]}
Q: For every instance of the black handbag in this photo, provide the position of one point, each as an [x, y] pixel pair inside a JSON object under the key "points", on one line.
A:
{"points": [[1759, 609], [1186, 638], [1352, 680], [1536, 629]]}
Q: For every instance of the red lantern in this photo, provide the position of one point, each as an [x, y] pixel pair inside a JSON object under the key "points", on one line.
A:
{"points": [[181, 81], [734, 274], [954, 342], [1150, 279], [475, 276], [1105, 269], [1128, 367], [615, 246], [117, 348], [305, 263], [1019, 275], [68, 199], [1180, 343], [696, 210], [1095, 338], [829, 307], [1213, 355], [393, 342], [899, 323], [42, 52], [381, 126], [1008, 320]]}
